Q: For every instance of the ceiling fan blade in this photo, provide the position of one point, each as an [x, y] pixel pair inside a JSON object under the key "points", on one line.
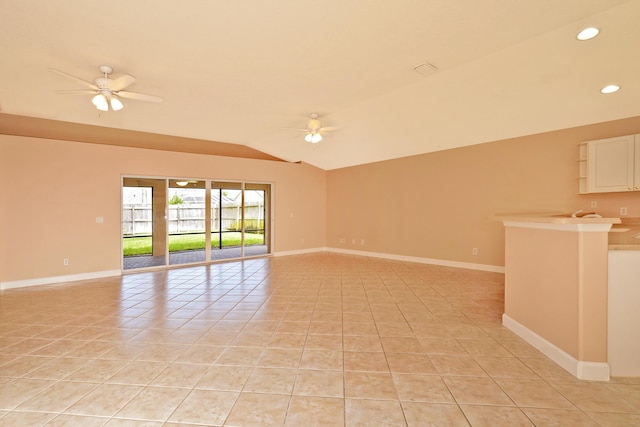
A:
{"points": [[328, 128], [138, 96], [299, 129], [75, 79], [121, 82], [77, 92]]}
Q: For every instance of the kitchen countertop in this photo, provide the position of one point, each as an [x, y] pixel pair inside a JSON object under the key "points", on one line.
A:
{"points": [[622, 235], [555, 218]]}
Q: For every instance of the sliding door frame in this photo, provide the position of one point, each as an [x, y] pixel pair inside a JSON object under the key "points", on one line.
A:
{"points": [[210, 184]]}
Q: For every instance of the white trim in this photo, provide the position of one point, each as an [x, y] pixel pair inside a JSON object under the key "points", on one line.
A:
{"points": [[442, 262], [599, 227], [597, 371], [300, 252], [59, 279]]}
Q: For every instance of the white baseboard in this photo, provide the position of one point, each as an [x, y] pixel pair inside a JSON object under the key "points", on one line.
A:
{"points": [[300, 252], [596, 371], [442, 262], [58, 279]]}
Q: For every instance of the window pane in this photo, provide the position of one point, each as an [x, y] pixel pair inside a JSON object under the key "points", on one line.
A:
{"points": [[187, 222], [143, 223]]}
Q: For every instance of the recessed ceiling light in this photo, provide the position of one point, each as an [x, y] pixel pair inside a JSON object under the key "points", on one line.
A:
{"points": [[588, 33], [610, 89]]}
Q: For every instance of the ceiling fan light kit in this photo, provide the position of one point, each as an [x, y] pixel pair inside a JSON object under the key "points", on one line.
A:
{"points": [[313, 137], [116, 104], [103, 102], [100, 102]]}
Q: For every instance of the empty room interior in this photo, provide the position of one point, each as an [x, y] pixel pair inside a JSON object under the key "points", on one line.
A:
{"points": [[338, 213]]}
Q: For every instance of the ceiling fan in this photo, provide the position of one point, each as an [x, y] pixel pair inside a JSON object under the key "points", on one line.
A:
{"points": [[314, 129], [185, 182], [107, 90]]}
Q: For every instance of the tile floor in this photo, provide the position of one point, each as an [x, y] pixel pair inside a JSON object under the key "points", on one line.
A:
{"points": [[311, 340]]}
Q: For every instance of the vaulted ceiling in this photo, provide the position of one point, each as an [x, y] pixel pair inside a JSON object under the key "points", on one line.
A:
{"points": [[249, 72]]}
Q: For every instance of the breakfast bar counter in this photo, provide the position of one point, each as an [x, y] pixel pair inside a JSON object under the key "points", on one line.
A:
{"points": [[556, 288]]}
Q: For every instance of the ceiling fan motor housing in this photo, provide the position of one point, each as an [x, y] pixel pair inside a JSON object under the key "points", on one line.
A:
{"points": [[102, 82], [314, 125]]}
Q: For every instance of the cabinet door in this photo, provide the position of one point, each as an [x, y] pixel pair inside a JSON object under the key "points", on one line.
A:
{"points": [[611, 164]]}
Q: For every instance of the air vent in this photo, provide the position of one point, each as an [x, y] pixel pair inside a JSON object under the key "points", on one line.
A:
{"points": [[426, 69]]}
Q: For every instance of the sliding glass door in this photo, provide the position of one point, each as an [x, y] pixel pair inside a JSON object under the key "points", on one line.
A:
{"points": [[238, 219], [182, 221], [144, 225], [187, 221], [256, 204], [226, 220]]}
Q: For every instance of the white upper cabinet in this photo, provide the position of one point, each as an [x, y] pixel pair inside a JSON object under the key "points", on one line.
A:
{"points": [[612, 165]]}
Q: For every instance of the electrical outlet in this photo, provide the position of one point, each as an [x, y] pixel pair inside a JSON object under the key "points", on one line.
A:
{"points": [[65, 261], [474, 251], [594, 203], [362, 242], [353, 241], [623, 211], [343, 240]]}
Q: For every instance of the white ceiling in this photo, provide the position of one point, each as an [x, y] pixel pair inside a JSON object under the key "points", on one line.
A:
{"points": [[245, 71]]}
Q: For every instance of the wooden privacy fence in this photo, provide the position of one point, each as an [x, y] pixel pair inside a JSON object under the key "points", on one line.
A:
{"points": [[137, 220]]}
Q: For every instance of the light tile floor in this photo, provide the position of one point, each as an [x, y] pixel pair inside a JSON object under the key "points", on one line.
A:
{"points": [[310, 340]]}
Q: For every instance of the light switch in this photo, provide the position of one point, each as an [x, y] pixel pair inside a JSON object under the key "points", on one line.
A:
{"points": [[99, 220]]}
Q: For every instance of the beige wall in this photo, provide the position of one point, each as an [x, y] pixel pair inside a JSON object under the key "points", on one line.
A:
{"points": [[440, 205], [436, 205], [52, 191]]}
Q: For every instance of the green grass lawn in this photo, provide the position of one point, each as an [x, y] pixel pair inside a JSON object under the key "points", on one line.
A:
{"points": [[187, 242]]}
